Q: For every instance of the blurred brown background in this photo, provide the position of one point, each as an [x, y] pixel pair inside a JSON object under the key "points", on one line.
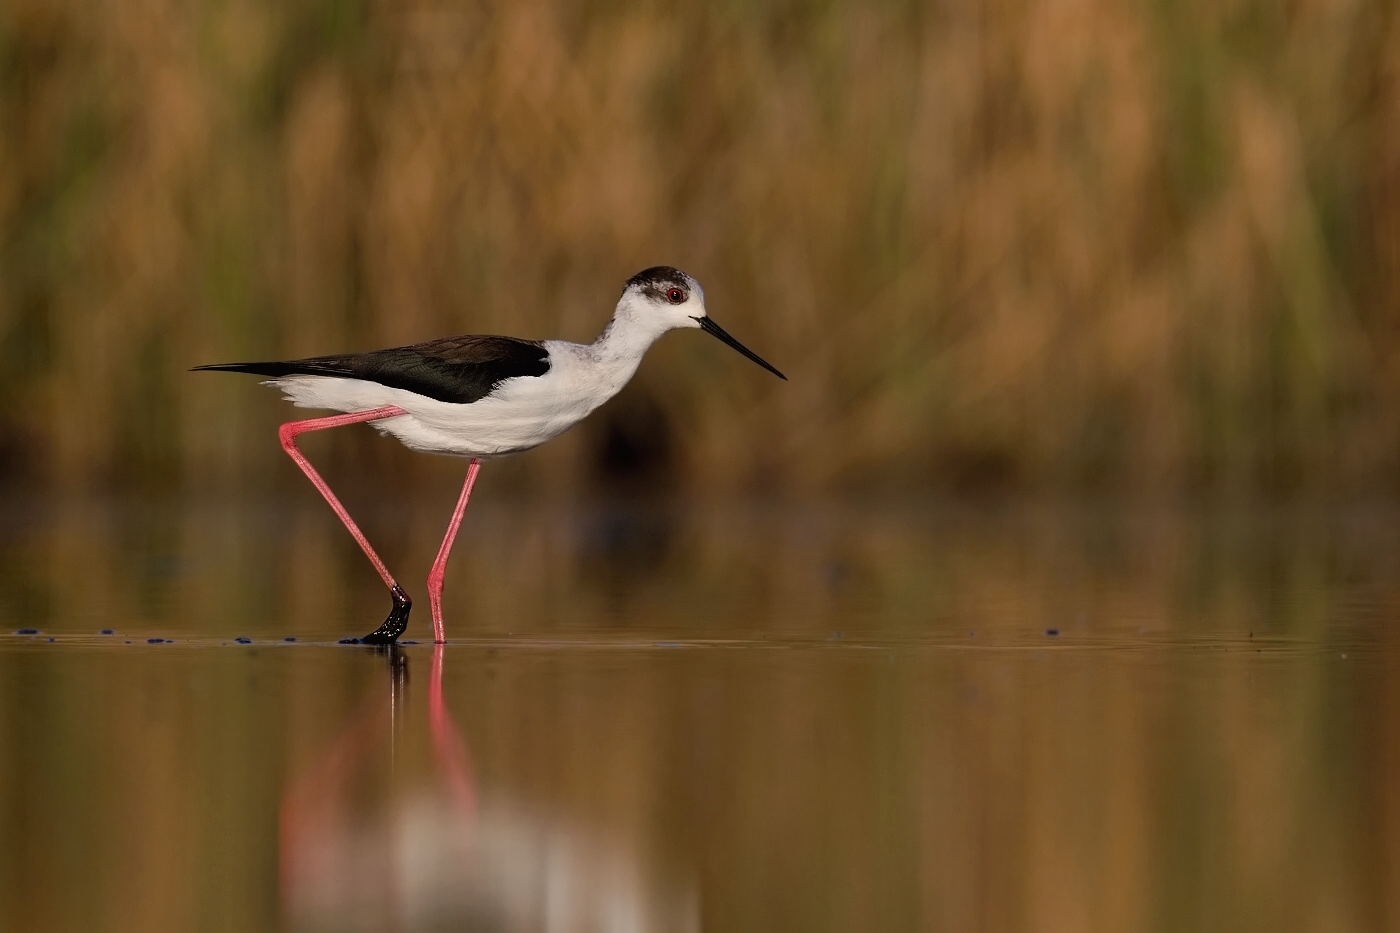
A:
{"points": [[1056, 246]]}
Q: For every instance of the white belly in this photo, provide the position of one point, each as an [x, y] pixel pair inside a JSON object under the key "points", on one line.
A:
{"points": [[522, 413]]}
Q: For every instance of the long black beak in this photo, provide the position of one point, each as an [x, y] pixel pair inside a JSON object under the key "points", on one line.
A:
{"points": [[710, 327]]}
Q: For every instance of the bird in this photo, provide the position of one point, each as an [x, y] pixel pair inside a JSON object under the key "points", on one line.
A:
{"points": [[480, 397]]}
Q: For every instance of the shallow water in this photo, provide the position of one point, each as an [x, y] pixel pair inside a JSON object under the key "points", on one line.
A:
{"points": [[896, 717]]}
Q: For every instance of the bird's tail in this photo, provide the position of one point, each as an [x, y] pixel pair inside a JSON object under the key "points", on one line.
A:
{"points": [[276, 369]]}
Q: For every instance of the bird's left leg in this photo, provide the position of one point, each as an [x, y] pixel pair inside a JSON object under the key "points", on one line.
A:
{"points": [[435, 575], [397, 621]]}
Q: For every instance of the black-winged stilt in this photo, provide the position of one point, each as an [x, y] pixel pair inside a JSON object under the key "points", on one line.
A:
{"points": [[480, 397]]}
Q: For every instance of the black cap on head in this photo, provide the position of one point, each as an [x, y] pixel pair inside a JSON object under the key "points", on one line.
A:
{"points": [[655, 281]]}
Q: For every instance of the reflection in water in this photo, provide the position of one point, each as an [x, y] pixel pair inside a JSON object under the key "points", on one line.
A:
{"points": [[334, 858], [789, 720], [359, 852]]}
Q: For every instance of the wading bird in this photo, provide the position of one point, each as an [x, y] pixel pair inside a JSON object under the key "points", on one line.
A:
{"points": [[479, 397]]}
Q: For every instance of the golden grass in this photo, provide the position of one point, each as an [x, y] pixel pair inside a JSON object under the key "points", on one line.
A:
{"points": [[1097, 244]]}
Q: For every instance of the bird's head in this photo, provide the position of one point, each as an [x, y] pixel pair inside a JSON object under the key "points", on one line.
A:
{"points": [[663, 298]]}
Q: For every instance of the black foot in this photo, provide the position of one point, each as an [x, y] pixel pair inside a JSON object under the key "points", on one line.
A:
{"points": [[393, 627]]}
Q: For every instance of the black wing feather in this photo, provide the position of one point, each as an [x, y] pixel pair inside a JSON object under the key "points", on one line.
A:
{"points": [[461, 370]]}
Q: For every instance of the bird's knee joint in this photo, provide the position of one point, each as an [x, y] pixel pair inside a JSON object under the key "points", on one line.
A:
{"points": [[287, 434]]}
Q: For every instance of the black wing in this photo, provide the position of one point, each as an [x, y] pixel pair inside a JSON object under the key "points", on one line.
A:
{"points": [[453, 369]]}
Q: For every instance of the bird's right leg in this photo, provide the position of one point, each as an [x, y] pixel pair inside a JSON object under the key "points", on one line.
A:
{"points": [[397, 620]]}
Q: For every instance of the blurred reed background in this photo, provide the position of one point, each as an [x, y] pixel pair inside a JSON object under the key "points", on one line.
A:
{"points": [[1054, 246]]}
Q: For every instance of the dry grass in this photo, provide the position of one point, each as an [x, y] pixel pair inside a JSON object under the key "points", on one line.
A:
{"points": [[1090, 244]]}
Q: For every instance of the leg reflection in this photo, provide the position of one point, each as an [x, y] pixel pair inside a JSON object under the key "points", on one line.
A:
{"points": [[387, 829], [368, 823], [314, 807], [449, 750]]}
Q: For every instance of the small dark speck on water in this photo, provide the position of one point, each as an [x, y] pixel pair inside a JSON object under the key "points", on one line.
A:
{"points": [[155, 641], [408, 642], [243, 641], [107, 631], [290, 638], [52, 640], [348, 641], [1052, 631], [27, 631]]}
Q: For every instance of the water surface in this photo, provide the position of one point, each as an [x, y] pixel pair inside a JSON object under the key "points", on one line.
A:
{"points": [[894, 717]]}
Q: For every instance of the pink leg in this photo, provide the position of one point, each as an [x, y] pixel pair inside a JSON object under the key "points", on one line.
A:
{"points": [[398, 616], [435, 576]]}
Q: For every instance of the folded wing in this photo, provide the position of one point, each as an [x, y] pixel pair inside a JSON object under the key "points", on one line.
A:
{"points": [[460, 370]]}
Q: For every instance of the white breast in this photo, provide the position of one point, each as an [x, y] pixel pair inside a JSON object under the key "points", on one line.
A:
{"points": [[523, 412]]}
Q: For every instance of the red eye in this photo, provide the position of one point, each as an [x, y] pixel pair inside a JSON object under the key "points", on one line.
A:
{"points": [[675, 296]]}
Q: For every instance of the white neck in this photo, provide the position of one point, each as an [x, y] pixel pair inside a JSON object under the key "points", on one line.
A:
{"points": [[605, 366], [628, 336]]}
